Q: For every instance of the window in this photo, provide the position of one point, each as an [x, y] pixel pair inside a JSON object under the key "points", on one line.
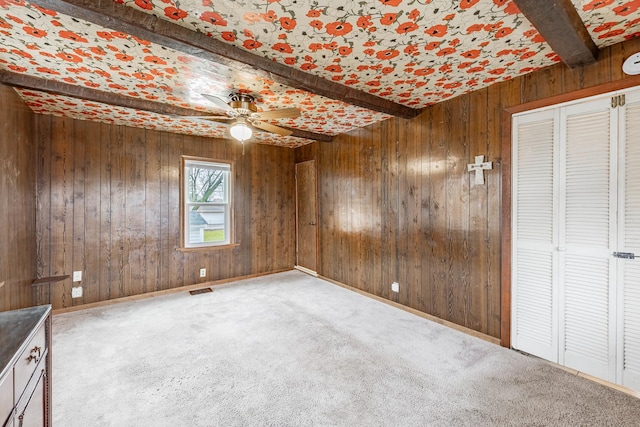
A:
{"points": [[207, 203]]}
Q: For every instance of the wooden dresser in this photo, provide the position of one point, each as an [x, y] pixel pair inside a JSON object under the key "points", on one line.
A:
{"points": [[25, 367]]}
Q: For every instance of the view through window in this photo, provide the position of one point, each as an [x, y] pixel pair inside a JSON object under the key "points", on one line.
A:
{"points": [[207, 203]]}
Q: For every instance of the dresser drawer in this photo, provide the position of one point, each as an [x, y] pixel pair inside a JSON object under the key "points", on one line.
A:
{"points": [[28, 361], [6, 397], [30, 411]]}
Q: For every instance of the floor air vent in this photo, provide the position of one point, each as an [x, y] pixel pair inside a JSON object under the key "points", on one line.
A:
{"points": [[200, 291]]}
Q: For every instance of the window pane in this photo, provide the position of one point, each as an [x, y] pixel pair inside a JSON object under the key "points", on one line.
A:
{"points": [[207, 203], [207, 224], [206, 184]]}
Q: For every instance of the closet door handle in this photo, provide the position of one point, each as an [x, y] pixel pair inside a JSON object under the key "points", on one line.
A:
{"points": [[624, 255]]}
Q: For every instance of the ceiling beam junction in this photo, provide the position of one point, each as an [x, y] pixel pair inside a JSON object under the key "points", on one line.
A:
{"points": [[562, 28]]}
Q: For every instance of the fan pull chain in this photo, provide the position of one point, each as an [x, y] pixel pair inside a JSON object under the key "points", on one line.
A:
{"points": [[242, 142]]}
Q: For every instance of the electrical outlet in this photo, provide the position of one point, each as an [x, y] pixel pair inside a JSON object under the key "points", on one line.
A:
{"points": [[76, 292], [203, 272], [395, 287], [77, 276]]}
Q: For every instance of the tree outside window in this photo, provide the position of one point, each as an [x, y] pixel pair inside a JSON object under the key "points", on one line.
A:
{"points": [[207, 201]]}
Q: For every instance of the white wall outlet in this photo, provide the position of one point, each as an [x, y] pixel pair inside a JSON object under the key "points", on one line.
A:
{"points": [[77, 276], [395, 287], [76, 292], [203, 272]]}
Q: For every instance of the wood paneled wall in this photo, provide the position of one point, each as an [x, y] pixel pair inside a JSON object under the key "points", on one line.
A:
{"points": [[109, 205], [17, 201], [397, 204]]}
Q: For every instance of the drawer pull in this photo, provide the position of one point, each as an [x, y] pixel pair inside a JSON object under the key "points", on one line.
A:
{"points": [[32, 356]]}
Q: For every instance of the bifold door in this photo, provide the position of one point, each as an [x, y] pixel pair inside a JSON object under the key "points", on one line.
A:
{"points": [[576, 233]]}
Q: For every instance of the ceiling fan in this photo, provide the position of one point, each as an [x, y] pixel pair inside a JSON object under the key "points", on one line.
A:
{"points": [[243, 114]]}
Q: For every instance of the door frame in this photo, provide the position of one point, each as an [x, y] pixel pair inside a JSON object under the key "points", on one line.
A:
{"points": [[317, 210], [505, 215]]}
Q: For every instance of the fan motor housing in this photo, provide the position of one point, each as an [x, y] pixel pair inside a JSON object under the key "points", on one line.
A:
{"points": [[243, 103]]}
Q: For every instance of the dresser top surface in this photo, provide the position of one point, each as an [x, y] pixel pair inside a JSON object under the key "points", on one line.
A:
{"points": [[16, 326]]}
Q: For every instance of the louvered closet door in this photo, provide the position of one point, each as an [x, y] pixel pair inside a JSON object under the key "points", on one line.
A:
{"points": [[587, 237], [534, 293], [629, 241]]}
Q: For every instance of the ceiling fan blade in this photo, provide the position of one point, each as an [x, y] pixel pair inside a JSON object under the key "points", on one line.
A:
{"points": [[220, 103], [282, 113], [221, 119], [271, 128]]}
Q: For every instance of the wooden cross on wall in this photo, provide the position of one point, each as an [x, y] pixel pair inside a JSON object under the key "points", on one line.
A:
{"points": [[479, 167]]}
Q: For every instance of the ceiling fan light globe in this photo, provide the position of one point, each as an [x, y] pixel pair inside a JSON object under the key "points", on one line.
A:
{"points": [[240, 131]]}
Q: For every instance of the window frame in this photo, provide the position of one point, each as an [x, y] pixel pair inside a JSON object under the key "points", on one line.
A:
{"points": [[188, 161]]}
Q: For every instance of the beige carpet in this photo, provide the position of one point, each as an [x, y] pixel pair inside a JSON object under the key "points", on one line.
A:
{"points": [[292, 350]]}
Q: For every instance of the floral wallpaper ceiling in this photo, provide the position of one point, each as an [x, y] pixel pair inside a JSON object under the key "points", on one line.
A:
{"points": [[413, 52]]}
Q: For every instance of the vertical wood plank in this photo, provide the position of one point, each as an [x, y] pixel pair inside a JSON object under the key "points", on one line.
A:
{"points": [[153, 224], [106, 219], [507, 98], [394, 197], [119, 242], [339, 259], [458, 211], [177, 260], [417, 241], [479, 214], [244, 214], [77, 224], [549, 82], [135, 211], [406, 196], [378, 208], [326, 211], [437, 213], [425, 226], [43, 206], [61, 219], [164, 254], [598, 73], [92, 211]]}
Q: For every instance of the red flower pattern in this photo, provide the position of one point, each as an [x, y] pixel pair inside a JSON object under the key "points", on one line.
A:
{"points": [[338, 28], [213, 18], [70, 57], [466, 4], [72, 36], [175, 13], [144, 4], [399, 48], [282, 47], [35, 32], [437, 30]]}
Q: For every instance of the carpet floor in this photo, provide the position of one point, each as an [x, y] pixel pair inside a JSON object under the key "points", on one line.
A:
{"points": [[292, 350]]}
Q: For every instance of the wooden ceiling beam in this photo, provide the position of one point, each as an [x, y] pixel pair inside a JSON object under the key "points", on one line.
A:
{"points": [[60, 88], [561, 26], [119, 17]]}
